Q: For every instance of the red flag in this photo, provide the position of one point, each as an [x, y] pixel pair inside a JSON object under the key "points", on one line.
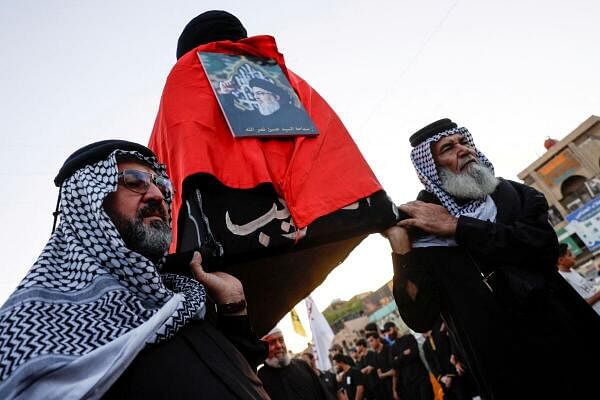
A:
{"points": [[314, 175]]}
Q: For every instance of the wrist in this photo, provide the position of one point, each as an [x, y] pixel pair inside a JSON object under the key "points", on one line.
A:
{"points": [[232, 308], [399, 240], [230, 296], [452, 224]]}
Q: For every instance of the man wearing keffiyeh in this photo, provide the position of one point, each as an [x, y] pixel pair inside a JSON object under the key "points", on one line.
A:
{"points": [[94, 317], [479, 251]]}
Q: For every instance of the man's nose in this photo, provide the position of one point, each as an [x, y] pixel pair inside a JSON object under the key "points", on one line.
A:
{"points": [[464, 150], [153, 193]]}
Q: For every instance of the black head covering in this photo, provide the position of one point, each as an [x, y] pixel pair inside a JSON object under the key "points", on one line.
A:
{"points": [[210, 26], [264, 84], [430, 130], [92, 153]]}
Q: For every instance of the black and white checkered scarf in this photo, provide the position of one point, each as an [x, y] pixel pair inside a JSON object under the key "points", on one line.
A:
{"points": [[89, 304], [426, 170]]}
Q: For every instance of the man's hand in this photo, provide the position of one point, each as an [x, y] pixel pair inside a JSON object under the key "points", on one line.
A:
{"points": [[446, 380], [367, 370], [222, 287], [225, 87], [593, 299], [460, 369], [430, 218], [399, 239]]}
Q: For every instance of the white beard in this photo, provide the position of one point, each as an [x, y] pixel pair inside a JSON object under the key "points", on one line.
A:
{"points": [[278, 362], [268, 108], [475, 183]]}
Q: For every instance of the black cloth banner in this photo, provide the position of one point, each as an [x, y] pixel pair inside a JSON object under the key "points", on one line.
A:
{"points": [[250, 234]]}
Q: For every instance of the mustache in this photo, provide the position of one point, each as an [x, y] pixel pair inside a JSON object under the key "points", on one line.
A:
{"points": [[465, 160], [153, 208]]}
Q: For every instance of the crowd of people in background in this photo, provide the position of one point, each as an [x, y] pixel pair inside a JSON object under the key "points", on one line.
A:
{"points": [[383, 364]]}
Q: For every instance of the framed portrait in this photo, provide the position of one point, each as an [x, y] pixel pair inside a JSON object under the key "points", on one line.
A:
{"points": [[255, 96]]}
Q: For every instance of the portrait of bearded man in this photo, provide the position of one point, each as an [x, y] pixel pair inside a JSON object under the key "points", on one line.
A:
{"points": [[274, 106]]}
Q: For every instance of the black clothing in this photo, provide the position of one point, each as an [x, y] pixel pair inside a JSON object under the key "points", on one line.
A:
{"points": [[351, 379], [383, 360], [431, 130], [94, 152], [297, 381], [438, 350], [371, 379], [515, 335], [198, 363], [437, 354], [329, 381], [413, 377], [210, 26]]}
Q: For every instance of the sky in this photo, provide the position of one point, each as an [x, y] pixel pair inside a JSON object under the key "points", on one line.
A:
{"points": [[512, 72]]}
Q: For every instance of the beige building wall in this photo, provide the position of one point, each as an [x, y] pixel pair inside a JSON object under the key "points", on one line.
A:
{"points": [[576, 155], [569, 176]]}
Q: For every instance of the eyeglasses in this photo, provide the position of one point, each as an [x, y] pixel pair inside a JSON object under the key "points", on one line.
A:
{"points": [[139, 182]]}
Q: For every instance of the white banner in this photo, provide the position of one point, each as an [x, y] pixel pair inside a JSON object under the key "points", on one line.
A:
{"points": [[322, 334]]}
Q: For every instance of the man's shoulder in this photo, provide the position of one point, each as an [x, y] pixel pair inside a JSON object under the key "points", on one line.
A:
{"points": [[407, 337], [527, 194], [297, 363], [266, 371], [400, 342], [518, 186]]}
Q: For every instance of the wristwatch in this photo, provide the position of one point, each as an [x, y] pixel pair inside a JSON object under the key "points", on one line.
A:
{"points": [[232, 308]]}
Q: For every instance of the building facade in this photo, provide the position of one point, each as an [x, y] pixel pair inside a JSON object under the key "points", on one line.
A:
{"points": [[569, 176]]}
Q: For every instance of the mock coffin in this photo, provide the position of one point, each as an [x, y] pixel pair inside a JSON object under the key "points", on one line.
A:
{"points": [[278, 213]]}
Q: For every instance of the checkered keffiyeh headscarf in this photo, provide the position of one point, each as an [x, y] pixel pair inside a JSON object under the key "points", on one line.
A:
{"points": [[427, 171], [89, 304]]}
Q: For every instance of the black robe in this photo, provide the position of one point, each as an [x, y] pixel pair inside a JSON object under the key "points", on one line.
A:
{"points": [[200, 362], [297, 381], [525, 336]]}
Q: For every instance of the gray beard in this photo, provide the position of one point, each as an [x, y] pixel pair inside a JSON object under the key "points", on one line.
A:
{"points": [[268, 108], [475, 183], [278, 362], [151, 240]]}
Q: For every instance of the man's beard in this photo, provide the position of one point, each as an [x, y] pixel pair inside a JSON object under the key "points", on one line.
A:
{"points": [[476, 182], [268, 107], [150, 240], [278, 362]]}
